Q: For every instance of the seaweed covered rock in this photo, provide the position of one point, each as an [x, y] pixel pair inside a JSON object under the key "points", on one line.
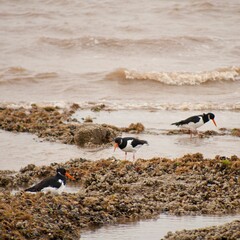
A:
{"points": [[235, 132], [89, 135], [226, 231], [109, 191], [55, 124]]}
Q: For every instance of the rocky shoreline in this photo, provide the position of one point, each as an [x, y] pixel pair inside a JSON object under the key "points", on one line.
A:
{"points": [[56, 124], [111, 191]]}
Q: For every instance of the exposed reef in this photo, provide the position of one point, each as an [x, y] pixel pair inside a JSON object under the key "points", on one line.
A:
{"points": [[222, 132], [55, 124], [111, 191]]}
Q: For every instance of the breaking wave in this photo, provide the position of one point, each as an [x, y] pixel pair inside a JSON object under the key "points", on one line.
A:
{"points": [[178, 78]]}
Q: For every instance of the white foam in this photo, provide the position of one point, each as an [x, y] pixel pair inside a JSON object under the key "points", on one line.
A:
{"points": [[139, 105], [186, 78]]}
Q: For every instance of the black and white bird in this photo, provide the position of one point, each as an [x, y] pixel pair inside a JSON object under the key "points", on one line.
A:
{"points": [[54, 184], [194, 122], [128, 144]]}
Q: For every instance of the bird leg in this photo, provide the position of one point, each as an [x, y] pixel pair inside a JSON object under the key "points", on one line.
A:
{"points": [[197, 133], [133, 157], [190, 133], [193, 132], [125, 156]]}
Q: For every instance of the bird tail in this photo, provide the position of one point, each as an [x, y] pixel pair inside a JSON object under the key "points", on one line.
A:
{"points": [[144, 142], [31, 189], [177, 123]]}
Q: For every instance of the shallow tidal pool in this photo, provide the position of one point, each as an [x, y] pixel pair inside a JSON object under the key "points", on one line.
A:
{"points": [[155, 229]]}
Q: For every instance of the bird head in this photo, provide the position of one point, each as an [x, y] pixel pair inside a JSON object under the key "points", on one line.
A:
{"points": [[211, 116], [117, 141], [63, 172]]}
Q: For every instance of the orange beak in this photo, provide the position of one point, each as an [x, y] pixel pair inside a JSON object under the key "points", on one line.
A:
{"points": [[214, 122], [115, 146], [69, 176]]}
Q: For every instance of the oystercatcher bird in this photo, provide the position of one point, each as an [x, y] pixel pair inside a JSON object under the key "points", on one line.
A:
{"points": [[128, 144], [54, 184], [194, 122]]}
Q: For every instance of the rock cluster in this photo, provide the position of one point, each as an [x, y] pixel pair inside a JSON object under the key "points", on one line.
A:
{"points": [[45, 122], [88, 135], [54, 124], [229, 231], [235, 132], [111, 191], [222, 132]]}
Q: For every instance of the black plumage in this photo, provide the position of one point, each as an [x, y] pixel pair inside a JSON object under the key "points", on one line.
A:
{"points": [[51, 183], [193, 119], [194, 122], [129, 144]]}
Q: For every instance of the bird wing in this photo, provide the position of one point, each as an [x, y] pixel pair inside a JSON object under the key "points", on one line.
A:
{"points": [[47, 182], [193, 119], [136, 142]]}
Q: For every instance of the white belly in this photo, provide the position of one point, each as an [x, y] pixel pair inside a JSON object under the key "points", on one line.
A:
{"points": [[193, 126], [54, 190], [129, 147]]}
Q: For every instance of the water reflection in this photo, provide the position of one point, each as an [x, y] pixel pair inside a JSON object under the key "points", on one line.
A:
{"points": [[155, 229]]}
